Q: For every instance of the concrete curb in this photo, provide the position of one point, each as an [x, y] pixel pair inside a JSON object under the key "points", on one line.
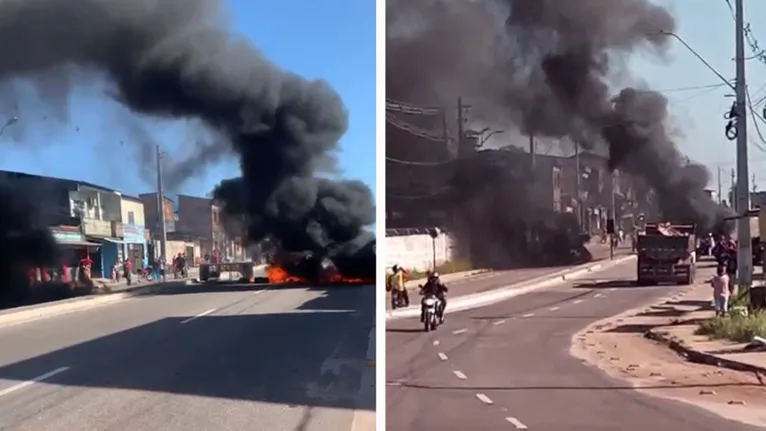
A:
{"points": [[482, 299], [699, 357], [29, 313]]}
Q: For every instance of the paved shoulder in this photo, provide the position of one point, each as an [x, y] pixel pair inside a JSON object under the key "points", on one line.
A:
{"points": [[508, 365], [283, 359]]}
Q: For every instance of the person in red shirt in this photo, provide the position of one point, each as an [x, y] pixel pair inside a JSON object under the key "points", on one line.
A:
{"points": [[128, 267], [85, 265]]}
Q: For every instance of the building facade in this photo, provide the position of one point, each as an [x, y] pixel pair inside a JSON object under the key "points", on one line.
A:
{"points": [[85, 219], [135, 242], [200, 218]]}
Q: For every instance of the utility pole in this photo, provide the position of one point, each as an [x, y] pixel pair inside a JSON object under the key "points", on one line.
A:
{"points": [[744, 247], [532, 151], [460, 130], [719, 185], [614, 217], [161, 208], [578, 190], [733, 194]]}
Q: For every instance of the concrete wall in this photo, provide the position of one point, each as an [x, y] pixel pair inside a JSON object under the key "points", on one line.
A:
{"points": [[176, 247], [149, 201], [195, 216], [413, 249], [133, 206]]}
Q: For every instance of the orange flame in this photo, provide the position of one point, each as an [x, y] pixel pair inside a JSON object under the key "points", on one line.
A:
{"points": [[278, 275]]}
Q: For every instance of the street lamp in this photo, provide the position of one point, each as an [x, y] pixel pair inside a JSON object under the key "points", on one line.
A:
{"points": [[483, 135], [11, 121]]}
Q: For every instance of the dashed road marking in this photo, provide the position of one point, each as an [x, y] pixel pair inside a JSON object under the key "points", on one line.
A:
{"points": [[612, 289], [577, 301], [436, 342], [499, 322], [554, 308], [442, 356], [598, 295], [528, 315], [32, 381], [459, 374], [516, 423], [459, 331], [485, 399], [203, 314]]}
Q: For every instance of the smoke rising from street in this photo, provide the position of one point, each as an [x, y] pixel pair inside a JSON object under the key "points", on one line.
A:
{"points": [[179, 59], [544, 67]]}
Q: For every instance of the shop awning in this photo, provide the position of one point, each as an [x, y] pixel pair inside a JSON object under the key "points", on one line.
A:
{"points": [[78, 243], [107, 239]]}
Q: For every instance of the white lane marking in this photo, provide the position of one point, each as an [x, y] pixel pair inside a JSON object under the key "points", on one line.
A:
{"points": [[554, 308], [436, 342], [598, 295], [459, 331], [516, 423], [32, 381], [485, 399], [203, 314], [499, 322], [577, 301], [612, 289], [459, 374], [528, 315], [442, 356]]}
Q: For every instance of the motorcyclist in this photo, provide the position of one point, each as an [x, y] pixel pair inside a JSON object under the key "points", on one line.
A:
{"points": [[397, 286], [434, 286]]}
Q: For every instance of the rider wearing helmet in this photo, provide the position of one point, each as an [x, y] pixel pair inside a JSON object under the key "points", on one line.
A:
{"points": [[434, 286]]}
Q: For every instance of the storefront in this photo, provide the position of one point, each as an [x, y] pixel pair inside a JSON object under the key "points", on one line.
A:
{"points": [[134, 245], [74, 247]]}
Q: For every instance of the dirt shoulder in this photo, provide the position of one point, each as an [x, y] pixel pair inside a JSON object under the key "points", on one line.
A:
{"points": [[619, 346]]}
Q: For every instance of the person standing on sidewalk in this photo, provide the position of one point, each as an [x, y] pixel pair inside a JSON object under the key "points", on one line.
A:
{"points": [[721, 292]]}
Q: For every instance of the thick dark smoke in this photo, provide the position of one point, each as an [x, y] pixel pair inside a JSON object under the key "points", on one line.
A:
{"points": [[179, 59], [544, 67], [24, 242]]}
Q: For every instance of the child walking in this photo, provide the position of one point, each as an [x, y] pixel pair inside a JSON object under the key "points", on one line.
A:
{"points": [[720, 283]]}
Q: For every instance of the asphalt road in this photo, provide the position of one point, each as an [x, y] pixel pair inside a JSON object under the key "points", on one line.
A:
{"points": [[224, 357], [498, 279], [508, 366]]}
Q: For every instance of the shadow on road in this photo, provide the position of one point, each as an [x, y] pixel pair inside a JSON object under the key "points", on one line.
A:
{"points": [[291, 358]]}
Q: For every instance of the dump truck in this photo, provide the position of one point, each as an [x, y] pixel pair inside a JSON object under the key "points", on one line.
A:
{"points": [[666, 253]]}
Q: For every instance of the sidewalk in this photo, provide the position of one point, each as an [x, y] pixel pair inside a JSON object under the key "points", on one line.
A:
{"points": [[654, 347], [106, 286]]}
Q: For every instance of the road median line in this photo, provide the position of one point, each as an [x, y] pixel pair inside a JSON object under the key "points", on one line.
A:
{"points": [[482, 299]]}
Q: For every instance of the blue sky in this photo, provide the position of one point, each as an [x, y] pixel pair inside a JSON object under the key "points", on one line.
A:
{"points": [[332, 39], [707, 26]]}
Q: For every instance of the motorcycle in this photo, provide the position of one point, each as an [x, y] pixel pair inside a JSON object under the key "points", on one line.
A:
{"points": [[430, 312], [397, 300]]}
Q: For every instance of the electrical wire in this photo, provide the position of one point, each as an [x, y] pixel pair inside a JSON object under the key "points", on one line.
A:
{"points": [[409, 163], [417, 131]]}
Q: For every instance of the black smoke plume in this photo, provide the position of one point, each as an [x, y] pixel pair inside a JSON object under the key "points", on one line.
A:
{"points": [[180, 59], [25, 242], [545, 68]]}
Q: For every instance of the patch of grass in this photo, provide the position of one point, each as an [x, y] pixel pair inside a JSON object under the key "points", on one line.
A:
{"points": [[737, 328], [445, 268]]}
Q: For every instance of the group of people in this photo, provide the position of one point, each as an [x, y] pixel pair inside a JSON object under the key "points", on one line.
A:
{"points": [[434, 287]]}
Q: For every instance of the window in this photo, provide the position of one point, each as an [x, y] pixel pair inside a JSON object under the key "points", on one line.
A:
{"points": [[131, 218]]}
